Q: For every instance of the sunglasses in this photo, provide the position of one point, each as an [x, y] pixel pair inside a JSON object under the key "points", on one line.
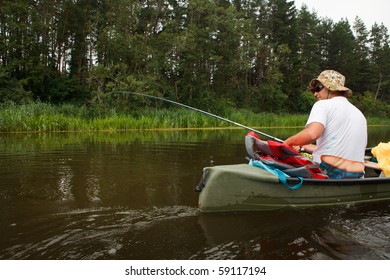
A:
{"points": [[318, 88]]}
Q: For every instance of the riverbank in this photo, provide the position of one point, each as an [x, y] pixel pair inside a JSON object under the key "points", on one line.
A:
{"points": [[42, 117]]}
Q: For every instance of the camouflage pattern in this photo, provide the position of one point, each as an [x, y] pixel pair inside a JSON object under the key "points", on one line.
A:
{"points": [[332, 80]]}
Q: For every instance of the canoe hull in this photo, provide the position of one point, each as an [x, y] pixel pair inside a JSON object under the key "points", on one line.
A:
{"points": [[242, 187]]}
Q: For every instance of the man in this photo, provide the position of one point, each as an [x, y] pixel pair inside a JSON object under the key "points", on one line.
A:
{"points": [[337, 126]]}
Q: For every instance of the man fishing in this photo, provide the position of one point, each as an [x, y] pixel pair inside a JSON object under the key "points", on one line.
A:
{"points": [[337, 126]]}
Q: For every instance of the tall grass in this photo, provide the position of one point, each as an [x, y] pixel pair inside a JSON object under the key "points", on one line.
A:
{"points": [[37, 116]]}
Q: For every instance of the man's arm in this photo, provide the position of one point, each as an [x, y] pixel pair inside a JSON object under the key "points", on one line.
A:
{"points": [[306, 137]]}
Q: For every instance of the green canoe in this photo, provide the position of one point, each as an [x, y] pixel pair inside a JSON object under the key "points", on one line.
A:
{"points": [[242, 187]]}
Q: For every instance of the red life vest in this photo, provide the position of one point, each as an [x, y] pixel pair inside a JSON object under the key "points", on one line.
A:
{"points": [[282, 157]]}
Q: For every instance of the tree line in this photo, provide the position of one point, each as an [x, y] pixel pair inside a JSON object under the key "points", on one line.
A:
{"points": [[212, 54]]}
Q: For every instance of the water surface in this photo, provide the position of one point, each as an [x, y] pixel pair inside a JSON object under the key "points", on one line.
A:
{"points": [[131, 195]]}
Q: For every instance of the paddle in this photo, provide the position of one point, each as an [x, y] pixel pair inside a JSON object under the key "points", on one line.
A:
{"points": [[203, 112]]}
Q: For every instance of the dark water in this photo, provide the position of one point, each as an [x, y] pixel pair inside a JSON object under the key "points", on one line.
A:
{"points": [[131, 196]]}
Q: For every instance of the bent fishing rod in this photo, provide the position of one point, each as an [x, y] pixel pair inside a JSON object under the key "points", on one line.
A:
{"points": [[203, 112]]}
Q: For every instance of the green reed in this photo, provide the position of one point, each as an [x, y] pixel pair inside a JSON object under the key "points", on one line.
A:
{"points": [[38, 116]]}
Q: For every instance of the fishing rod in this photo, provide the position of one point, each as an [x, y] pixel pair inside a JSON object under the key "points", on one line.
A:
{"points": [[203, 112]]}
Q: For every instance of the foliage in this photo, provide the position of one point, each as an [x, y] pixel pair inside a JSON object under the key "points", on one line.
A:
{"points": [[371, 106], [211, 54], [305, 101], [270, 99], [11, 89], [45, 117]]}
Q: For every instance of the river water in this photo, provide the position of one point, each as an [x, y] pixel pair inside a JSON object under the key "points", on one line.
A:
{"points": [[130, 195]]}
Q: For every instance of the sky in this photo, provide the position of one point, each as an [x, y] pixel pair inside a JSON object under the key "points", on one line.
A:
{"points": [[370, 11]]}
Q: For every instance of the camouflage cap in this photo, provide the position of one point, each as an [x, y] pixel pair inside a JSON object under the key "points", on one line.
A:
{"points": [[332, 80]]}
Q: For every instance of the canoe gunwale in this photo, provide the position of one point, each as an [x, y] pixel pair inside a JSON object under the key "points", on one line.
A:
{"points": [[361, 181]]}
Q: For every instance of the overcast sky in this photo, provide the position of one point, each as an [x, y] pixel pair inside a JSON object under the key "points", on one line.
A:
{"points": [[369, 11]]}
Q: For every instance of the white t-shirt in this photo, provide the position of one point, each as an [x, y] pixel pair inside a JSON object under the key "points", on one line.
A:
{"points": [[345, 133]]}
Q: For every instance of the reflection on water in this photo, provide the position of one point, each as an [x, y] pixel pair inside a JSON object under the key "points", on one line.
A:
{"points": [[131, 196]]}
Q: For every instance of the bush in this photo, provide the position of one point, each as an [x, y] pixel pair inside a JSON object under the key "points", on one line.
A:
{"points": [[64, 89], [11, 89], [370, 106], [305, 101], [270, 99]]}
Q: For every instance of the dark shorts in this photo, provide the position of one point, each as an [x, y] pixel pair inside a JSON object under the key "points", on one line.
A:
{"points": [[335, 173]]}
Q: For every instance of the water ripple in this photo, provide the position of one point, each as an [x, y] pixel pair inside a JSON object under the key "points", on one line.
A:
{"points": [[89, 234]]}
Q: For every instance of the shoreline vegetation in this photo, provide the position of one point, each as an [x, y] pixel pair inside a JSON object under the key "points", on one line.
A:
{"points": [[44, 117]]}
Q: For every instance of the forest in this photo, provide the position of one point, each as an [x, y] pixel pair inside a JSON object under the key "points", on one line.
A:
{"points": [[257, 55]]}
